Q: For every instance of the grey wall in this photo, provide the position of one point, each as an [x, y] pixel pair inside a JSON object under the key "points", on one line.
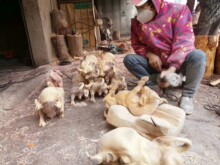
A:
{"points": [[37, 16], [120, 11]]}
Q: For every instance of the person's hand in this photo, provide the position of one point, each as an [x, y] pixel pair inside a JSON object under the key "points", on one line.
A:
{"points": [[154, 61], [165, 73]]}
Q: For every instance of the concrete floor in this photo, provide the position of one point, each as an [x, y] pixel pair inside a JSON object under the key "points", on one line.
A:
{"points": [[67, 140]]}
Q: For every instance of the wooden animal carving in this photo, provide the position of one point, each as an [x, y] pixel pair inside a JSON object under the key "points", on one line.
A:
{"points": [[79, 91], [54, 78], [141, 100], [50, 103], [115, 78], [125, 146], [99, 87]]}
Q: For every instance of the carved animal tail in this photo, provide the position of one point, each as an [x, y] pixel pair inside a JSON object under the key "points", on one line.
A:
{"points": [[172, 141]]}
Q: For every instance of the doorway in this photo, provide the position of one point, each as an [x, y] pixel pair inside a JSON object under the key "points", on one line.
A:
{"points": [[14, 46]]}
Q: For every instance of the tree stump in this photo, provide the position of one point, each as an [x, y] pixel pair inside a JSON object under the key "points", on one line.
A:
{"points": [[75, 44], [59, 22], [60, 48], [116, 35]]}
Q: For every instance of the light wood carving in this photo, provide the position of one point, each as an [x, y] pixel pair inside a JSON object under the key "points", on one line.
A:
{"points": [[125, 146], [51, 103], [141, 100]]}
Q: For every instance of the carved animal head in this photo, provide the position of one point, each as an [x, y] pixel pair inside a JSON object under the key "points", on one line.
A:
{"points": [[105, 68], [51, 109]]}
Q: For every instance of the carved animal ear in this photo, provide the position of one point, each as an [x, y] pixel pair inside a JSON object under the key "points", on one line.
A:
{"points": [[88, 86], [124, 160], [114, 69], [79, 69], [38, 105], [50, 84], [171, 141], [108, 157], [102, 158], [102, 81], [97, 159], [81, 86], [58, 104]]}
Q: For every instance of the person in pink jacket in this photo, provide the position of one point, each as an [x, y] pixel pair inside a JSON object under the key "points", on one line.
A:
{"points": [[163, 40]]}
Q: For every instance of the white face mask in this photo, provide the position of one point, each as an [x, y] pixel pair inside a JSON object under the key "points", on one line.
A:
{"points": [[145, 15]]}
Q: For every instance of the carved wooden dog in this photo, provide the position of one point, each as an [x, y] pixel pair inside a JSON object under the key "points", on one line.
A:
{"points": [[141, 100], [50, 103], [125, 146], [99, 86], [79, 91]]}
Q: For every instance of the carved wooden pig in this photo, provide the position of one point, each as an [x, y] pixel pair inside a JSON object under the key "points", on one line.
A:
{"points": [[54, 78], [79, 91], [50, 103], [125, 146]]}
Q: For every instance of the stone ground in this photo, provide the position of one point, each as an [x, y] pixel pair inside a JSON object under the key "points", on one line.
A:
{"points": [[68, 140]]}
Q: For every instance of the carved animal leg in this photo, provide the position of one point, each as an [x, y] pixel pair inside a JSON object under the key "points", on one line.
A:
{"points": [[100, 93], [80, 96], [73, 101], [62, 107], [42, 123], [92, 96]]}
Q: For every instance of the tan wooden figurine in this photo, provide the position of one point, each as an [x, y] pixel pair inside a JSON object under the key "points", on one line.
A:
{"points": [[79, 92], [141, 100], [125, 146], [50, 103]]}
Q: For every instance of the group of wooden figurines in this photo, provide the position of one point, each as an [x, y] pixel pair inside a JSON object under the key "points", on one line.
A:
{"points": [[147, 124]]}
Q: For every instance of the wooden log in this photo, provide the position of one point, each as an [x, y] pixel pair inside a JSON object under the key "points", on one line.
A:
{"points": [[59, 22], [116, 35], [60, 48], [208, 45], [217, 59], [75, 45]]}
